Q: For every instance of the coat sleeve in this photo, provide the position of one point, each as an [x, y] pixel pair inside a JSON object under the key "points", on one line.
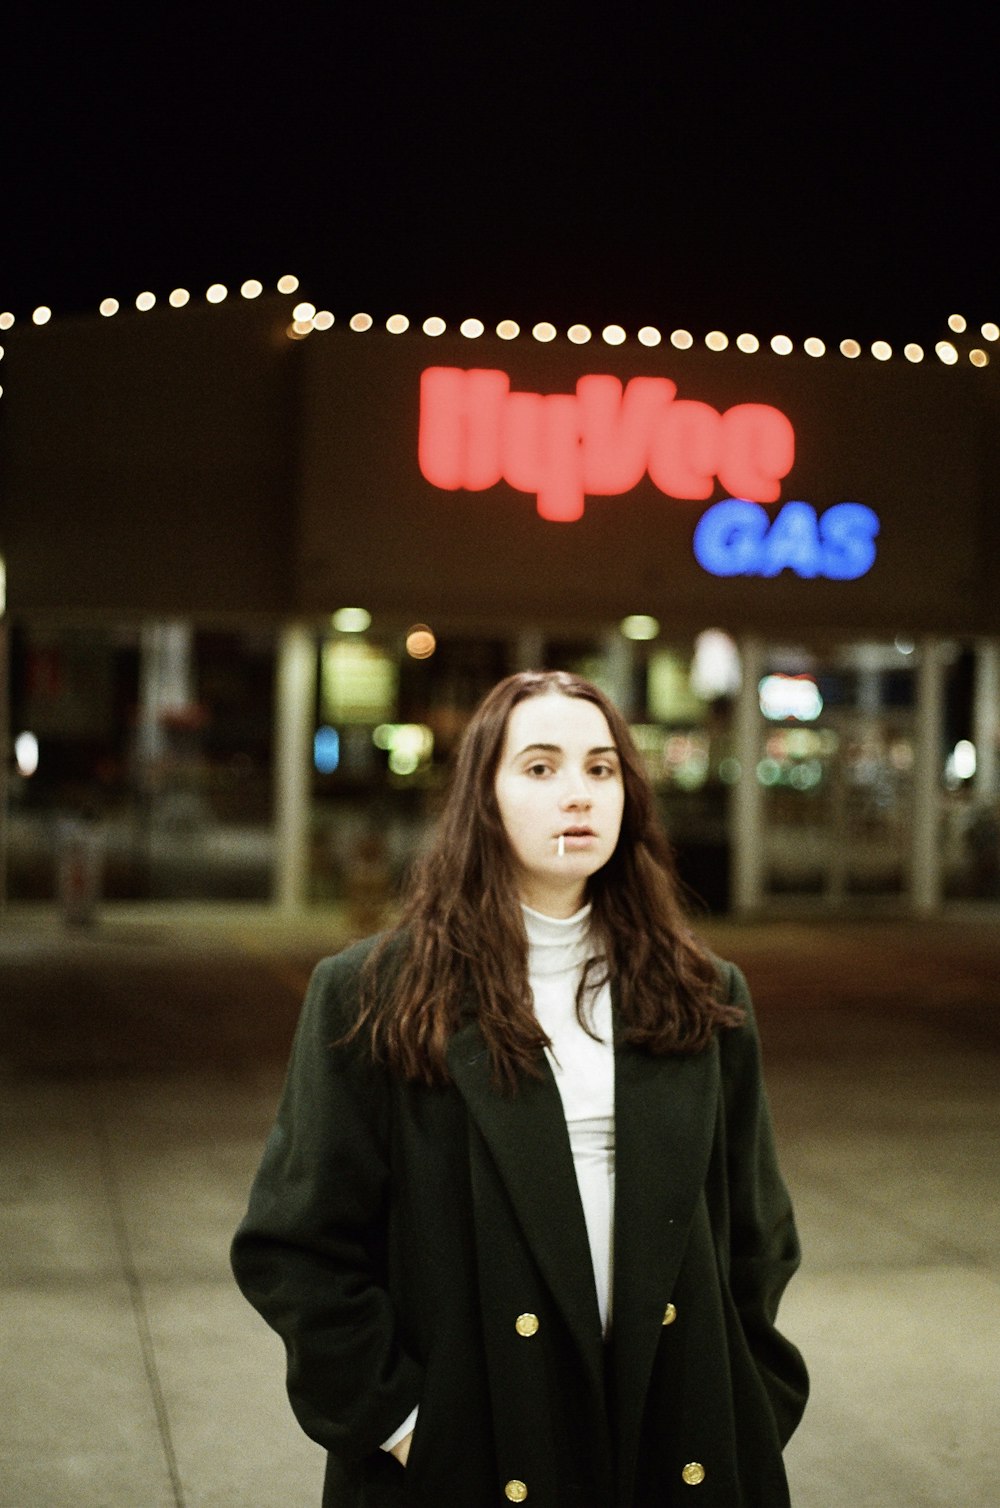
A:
{"points": [[763, 1242], [310, 1252]]}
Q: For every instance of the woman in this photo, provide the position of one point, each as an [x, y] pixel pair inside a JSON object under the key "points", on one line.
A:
{"points": [[520, 1222]]}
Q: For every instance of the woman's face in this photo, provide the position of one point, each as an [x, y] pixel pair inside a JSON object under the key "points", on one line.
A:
{"points": [[559, 777]]}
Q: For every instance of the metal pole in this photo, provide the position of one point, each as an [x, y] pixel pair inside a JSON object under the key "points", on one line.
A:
{"points": [[925, 874], [619, 657], [295, 703], [5, 754], [986, 719], [747, 811]]}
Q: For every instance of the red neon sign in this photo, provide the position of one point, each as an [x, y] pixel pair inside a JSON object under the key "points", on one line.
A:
{"points": [[599, 441]]}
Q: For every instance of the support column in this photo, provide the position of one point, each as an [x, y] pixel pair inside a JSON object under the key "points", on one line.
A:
{"points": [[619, 658], [5, 748], [747, 810], [294, 716], [529, 650], [986, 720], [925, 854]]}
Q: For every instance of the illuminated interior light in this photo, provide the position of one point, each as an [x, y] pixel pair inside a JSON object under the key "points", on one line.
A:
{"points": [[302, 326], [946, 352], [351, 620], [961, 763], [649, 335], [578, 334], [1, 353], [683, 340], [108, 306], [408, 745], [715, 340], [294, 332], [304, 311], [639, 626], [7, 319], [397, 324], [747, 342], [216, 293], [507, 329], [145, 302], [434, 326], [913, 352], [613, 335], [287, 284], [41, 315], [783, 698], [361, 322], [715, 666], [957, 322], [420, 642], [979, 358], [472, 328], [989, 331], [326, 749], [26, 754], [814, 346], [179, 298], [323, 320], [251, 288], [781, 345], [881, 350], [1, 392], [543, 331], [850, 348]]}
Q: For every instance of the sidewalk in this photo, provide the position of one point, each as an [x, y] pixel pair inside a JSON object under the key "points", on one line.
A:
{"points": [[139, 1065]]}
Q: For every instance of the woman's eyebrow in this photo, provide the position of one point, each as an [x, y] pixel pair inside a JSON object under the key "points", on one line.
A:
{"points": [[541, 748], [558, 749]]}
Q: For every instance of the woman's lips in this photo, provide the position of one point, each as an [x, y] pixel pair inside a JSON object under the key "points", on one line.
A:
{"points": [[577, 837]]}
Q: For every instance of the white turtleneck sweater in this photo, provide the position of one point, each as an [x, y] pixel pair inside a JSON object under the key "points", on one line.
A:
{"points": [[584, 1071]]}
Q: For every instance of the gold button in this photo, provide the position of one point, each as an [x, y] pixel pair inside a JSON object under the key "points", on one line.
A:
{"points": [[693, 1473], [526, 1324], [515, 1491], [669, 1314]]}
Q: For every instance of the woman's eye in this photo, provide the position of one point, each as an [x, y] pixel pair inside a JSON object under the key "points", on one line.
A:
{"points": [[602, 771], [538, 769]]}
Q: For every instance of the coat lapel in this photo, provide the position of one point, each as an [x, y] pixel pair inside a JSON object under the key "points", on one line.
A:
{"points": [[665, 1115], [527, 1139]]}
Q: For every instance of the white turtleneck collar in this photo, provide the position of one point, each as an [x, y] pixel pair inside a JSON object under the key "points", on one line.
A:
{"points": [[557, 945]]}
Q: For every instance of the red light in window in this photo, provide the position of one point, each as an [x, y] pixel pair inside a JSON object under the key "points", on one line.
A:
{"points": [[600, 440]]}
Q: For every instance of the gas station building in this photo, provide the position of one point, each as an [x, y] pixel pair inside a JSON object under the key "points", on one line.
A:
{"points": [[261, 564]]}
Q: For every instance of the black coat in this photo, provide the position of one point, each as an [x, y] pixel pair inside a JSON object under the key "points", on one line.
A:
{"points": [[396, 1234]]}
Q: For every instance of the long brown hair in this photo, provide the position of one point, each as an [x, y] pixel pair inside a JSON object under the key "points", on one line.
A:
{"points": [[461, 940]]}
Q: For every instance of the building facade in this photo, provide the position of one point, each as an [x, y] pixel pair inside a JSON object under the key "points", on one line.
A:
{"points": [[259, 572]]}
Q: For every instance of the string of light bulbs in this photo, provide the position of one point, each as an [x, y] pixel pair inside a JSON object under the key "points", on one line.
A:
{"points": [[307, 319]]}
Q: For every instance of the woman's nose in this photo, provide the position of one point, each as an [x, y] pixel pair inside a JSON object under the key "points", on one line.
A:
{"points": [[577, 795]]}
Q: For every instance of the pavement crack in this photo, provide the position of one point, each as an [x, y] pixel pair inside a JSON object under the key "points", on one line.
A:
{"points": [[137, 1299]]}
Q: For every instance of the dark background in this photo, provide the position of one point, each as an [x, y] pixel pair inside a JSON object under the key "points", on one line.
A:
{"points": [[810, 170]]}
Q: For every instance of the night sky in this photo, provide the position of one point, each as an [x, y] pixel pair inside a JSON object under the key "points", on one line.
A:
{"points": [[792, 168]]}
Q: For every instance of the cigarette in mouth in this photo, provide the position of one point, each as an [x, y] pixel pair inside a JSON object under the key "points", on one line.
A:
{"points": [[562, 846]]}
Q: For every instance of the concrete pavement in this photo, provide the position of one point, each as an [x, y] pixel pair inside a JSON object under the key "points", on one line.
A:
{"points": [[139, 1065]]}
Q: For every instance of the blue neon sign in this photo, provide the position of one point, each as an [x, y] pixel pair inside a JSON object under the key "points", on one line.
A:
{"points": [[737, 538]]}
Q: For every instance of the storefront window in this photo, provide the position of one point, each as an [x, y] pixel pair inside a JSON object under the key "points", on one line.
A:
{"points": [[836, 764], [152, 744]]}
